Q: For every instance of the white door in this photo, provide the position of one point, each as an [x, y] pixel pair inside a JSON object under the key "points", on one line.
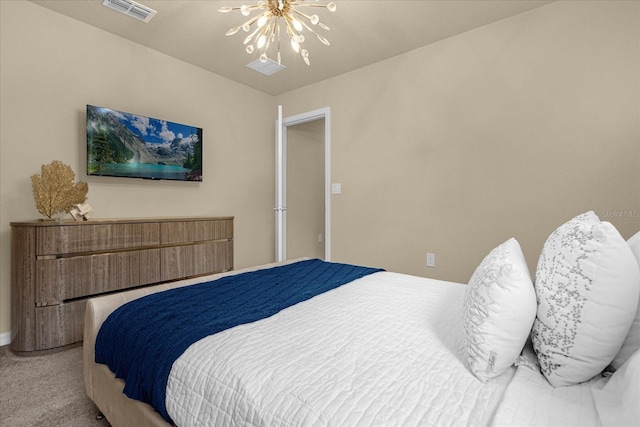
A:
{"points": [[282, 124]]}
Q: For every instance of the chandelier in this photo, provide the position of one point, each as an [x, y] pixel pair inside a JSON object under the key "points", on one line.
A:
{"points": [[274, 17]]}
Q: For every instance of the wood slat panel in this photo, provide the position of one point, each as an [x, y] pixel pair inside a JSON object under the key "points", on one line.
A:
{"points": [[95, 237]]}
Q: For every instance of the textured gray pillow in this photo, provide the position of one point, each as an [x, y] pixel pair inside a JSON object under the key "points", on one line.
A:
{"points": [[587, 284], [499, 308]]}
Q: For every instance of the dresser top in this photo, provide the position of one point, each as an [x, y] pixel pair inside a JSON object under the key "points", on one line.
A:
{"points": [[98, 221]]}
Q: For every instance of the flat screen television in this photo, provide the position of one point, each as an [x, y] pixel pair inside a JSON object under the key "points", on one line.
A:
{"points": [[128, 145]]}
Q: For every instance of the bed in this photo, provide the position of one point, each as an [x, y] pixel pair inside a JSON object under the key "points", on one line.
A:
{"points": [[382, 349]]}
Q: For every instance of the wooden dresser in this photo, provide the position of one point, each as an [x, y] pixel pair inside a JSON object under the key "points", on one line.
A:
{"points": [[56, 266]]}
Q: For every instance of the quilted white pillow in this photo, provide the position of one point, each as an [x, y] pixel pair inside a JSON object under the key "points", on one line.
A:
{"points": [[587, 284], [499, 309], [632, 342]]}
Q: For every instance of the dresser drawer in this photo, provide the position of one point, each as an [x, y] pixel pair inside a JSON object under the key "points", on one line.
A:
{"points": [[67, 278], [59, 325], [194, 260], [73, 239], [195, 231]]}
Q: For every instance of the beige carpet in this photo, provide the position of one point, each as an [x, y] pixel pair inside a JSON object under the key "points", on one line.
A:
{"points": [[45, 391]]}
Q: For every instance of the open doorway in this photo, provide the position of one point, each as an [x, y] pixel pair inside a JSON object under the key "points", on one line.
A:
{"points": [[305, 190], [303, 214]]}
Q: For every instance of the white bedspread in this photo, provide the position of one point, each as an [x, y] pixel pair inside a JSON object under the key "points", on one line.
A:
{"points": [[399, 362]]}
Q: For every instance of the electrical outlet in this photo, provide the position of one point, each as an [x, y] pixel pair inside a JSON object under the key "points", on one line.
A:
{"points": [[431, 260]]}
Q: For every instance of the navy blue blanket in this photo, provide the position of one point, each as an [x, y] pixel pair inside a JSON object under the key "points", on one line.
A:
{"points": [[141, 339]]}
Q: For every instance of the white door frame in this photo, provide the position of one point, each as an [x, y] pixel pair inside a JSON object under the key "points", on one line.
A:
{"points": [[281, 177]]}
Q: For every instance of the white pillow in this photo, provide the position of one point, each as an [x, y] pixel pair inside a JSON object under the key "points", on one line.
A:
{"points": [[587, 289], [499, 308], [632, 342], [617, 402]]}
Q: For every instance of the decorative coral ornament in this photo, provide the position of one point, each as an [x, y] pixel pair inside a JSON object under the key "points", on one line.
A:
{"points": [[54, 190]]}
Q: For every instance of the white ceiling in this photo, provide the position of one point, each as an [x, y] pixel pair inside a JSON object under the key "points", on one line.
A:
{"points": [[362, 32]]}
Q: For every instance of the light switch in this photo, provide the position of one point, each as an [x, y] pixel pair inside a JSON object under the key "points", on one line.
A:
{"points": [[336, 188]]}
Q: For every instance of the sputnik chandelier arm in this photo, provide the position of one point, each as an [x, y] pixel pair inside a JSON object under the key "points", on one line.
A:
{"points": [[274, 17]]}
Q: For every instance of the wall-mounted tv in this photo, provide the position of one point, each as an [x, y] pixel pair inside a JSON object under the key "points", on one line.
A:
{"points": [[128, 145]]}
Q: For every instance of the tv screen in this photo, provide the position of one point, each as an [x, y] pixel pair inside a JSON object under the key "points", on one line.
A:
{"points": [[128, 145]]}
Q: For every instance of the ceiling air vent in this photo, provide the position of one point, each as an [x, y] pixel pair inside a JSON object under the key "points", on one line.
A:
{"points": [[267, 68], [131, 8]]}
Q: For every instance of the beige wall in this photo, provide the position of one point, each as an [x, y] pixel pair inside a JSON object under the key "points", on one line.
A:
{"points": [[507, 130], [52, 66]]}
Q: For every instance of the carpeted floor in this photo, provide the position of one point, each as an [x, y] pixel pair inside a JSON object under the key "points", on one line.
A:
{"points": [[45, 391]]}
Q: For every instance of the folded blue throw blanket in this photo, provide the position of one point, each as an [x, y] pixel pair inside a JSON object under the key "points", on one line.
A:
{"points": [[140, 340]]}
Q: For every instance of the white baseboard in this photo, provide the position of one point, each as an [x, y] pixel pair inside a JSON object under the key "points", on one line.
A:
{"points": [[5, 339]]}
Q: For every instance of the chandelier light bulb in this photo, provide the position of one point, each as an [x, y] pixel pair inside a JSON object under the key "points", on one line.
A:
{"points": [[322, 39], [261, 41], [276, 18], [295, 45], [233, 31]]}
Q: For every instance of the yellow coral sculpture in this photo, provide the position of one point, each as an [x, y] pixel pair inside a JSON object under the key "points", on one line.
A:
{"points": [[54, 190]]}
